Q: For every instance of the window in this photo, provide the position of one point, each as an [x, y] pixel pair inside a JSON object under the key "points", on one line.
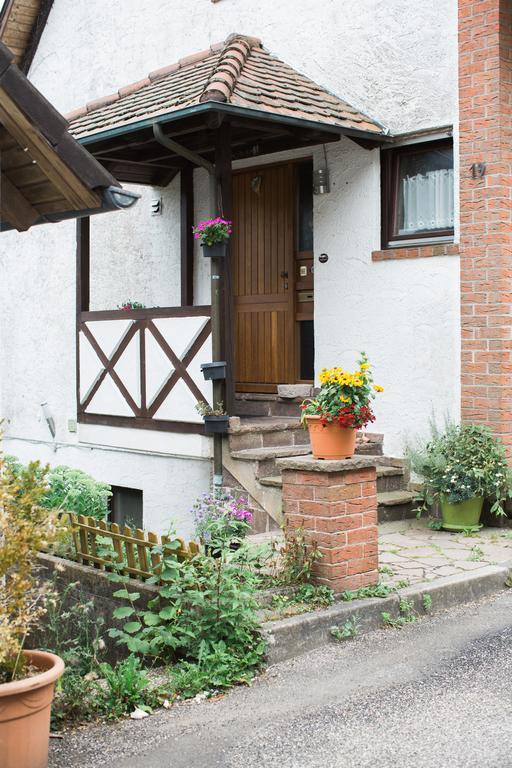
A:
{"points": [[417, 193], [126, 506]]}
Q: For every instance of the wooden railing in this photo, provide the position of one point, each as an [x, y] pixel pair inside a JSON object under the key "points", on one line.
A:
{"points": [[141, 367], [127, 551]]}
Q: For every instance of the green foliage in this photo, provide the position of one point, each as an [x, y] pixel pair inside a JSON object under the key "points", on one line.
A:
{"points": [[304, 598], [348, 630], [204, 604], [407, 615], [76, 700], [426, 601], [67, 489], [25, 529], [376, 590], [477, 554], [126, 688], [297, 558], [462, 462], [71, 490], [214, 671]]}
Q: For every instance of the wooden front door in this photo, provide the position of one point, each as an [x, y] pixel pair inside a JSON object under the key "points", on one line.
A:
{"points": [[263, 278]]}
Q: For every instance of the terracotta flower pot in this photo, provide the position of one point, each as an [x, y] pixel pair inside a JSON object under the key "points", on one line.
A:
{"points": [[330, 441], [25, 713]]}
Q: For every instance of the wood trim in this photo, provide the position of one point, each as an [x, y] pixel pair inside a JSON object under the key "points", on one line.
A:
{"points": [[182, 427], [146, 314], [180, 366], [35, 34], [83, 272], [14, 207], [108, 365], [186, 236]]}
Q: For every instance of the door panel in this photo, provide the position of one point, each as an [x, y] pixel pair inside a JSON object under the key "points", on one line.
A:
{"points": [[263, 278]]}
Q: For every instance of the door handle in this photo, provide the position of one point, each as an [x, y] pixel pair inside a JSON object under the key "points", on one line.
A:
{"points": [[284, 276]]}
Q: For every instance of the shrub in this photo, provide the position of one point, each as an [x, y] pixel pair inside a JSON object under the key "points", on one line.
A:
{"points": [[25, 529], [463, 462], [71, 490], [205, 610]]}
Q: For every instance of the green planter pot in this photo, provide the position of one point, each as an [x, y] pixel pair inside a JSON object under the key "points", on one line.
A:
{"points": [[462, 516]]}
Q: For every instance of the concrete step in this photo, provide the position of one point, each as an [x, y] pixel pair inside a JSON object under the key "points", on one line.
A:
{"points": [[266, 432], [264, 459], [395, 505], [391, 479], [255, 404]]}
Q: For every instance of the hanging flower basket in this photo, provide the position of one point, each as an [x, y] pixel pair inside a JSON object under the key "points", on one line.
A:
{"points": [[213, 235]]}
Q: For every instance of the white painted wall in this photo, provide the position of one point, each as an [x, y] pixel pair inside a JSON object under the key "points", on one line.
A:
{"points": [[388, 59]]}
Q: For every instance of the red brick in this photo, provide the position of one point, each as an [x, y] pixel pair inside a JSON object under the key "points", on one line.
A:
{"points": [[297, 491], [362, 565]]}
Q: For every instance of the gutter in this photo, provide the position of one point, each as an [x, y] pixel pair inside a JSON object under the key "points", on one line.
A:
{"points": [[229, 109], [112, 199]]}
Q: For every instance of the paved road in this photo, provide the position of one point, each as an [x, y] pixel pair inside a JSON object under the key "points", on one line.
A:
{"points": [[437, 694]]}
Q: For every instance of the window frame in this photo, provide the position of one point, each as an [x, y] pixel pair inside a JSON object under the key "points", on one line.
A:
{"points": [[390, 166]]}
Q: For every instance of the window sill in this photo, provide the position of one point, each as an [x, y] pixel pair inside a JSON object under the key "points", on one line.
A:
{"points": [[416, 252]]}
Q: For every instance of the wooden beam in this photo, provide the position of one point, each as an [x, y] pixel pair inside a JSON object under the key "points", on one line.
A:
{"points": [[83, 264], [224, 179], [186, 236], [14, 207]]}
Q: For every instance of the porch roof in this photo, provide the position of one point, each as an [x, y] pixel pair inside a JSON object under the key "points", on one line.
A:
{"points": [[264, 97], [45, 174]]}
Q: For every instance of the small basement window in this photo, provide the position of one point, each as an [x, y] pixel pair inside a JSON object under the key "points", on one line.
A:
{"points": [[126, 506], [417, 193]]}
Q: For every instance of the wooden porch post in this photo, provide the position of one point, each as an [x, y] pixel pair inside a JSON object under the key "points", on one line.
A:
{"points": [[224, 178], [83, 287], [186, 237]]}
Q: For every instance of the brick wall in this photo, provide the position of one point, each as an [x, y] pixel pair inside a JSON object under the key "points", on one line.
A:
{"points": [[338, 512], [485, 105]]}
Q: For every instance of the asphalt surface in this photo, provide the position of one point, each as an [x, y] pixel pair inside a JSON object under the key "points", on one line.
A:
{"points": [[437, 693]]}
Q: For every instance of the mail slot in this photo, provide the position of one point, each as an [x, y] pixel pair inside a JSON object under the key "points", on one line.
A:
{"points": [[305, 296]]}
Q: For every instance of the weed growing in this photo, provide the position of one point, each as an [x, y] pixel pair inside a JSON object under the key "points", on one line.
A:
{"points": [[347, 631]]}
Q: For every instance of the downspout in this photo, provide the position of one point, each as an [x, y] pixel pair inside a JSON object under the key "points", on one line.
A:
{"points": [[216, 291]]}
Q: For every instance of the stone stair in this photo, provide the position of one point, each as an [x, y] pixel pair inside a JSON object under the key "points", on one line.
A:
{"points": [[254, 444]]}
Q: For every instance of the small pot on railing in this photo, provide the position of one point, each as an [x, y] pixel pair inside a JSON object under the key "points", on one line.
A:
{"points": [[215, 251], [214, 371], [214, 425]]}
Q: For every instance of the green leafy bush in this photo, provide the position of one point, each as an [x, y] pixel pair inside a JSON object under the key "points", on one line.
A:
{"points": [[127, 687], [204, 614], [463, 462], [72, 490]]}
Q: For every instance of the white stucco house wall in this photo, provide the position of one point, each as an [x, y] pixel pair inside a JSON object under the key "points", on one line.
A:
{"points": [[387, 60]]}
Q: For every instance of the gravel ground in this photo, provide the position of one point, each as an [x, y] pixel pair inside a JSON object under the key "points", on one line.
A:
{"points": [[436, 693]]}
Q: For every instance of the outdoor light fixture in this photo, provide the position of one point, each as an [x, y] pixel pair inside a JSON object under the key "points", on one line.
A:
{"points": [[321, 178], [49, 418]]}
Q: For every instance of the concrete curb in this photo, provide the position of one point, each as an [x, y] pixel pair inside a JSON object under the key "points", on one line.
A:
{"points": [[291, 637]]}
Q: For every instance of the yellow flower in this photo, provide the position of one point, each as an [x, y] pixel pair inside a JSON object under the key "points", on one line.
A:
{"points": [[378, 388], [345, 399], [364, 366]]}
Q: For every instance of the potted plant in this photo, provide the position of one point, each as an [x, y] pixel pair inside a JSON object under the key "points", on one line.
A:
{"points": [[221, 522], [213, 235], [129, 305], [216, 419], [342, 406], [27, 678], [460, 467]]}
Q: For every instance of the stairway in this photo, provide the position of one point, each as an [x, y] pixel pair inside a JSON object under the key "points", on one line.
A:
{"points": [[253, 445]]}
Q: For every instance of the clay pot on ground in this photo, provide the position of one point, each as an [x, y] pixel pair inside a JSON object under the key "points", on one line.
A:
{"points": [[330, 441], [25, 707]]}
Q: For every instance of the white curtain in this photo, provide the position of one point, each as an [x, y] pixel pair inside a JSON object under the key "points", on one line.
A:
{"points": [[427, 201]]}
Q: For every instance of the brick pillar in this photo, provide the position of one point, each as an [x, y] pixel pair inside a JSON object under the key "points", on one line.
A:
{"points": [[335, 502], [485, 132]]}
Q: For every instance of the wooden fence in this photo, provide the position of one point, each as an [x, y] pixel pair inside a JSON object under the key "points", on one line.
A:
{"points": [[125, 550]]}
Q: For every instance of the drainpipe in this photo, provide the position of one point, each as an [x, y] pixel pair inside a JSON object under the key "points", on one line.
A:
{"points": [[216, 290]]}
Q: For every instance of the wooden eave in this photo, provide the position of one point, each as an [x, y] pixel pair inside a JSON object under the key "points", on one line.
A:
{"points": [[21, 25], [43, 170]]}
